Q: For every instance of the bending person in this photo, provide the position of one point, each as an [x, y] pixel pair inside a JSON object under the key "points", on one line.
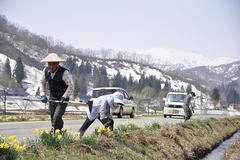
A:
{"points": [[102, 109]]}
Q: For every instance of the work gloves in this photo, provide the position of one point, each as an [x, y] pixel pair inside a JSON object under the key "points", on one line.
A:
{"points": [[63, 99], [108, 122], [44, 99]]}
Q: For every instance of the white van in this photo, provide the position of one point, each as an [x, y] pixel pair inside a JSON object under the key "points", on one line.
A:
{"points": [[173, 104]]}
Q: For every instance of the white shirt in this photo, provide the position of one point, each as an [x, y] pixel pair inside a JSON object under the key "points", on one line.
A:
{"points": [[105, 102]]}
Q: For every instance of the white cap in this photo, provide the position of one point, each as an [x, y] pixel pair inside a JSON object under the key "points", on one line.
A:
{"points": [[118, 98]]}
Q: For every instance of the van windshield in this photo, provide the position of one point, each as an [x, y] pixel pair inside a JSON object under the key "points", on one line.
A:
{"points": [[175, 97], [98, 93]]}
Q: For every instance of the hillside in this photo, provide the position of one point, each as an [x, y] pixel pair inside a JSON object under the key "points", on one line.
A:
{"points": [[15, 41]]}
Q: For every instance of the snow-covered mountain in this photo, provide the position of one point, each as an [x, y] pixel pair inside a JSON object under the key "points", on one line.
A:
{"points": [[112, 68], [172, 59]]}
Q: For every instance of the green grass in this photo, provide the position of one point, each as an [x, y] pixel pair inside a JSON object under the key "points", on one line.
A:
{"points": [[185, 140]]}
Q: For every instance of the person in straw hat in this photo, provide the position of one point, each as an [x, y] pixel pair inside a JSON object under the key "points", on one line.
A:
{"points": [[102, 108], [60, 85]]}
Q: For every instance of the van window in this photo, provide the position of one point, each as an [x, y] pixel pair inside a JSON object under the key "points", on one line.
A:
{"points": [[98, 93], [175, 97]]}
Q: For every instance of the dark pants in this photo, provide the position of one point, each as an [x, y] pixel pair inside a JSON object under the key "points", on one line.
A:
{"points": [[105, 122], [56, 111], [188, 112]]}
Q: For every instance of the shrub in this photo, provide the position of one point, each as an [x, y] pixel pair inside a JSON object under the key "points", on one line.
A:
{"points": [[55, 139]]}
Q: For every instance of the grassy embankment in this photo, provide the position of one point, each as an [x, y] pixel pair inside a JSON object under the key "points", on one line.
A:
{"points": [[189, 140]]}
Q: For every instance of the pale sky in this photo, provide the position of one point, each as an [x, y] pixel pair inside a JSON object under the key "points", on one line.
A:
{"points": [[207, 27]]}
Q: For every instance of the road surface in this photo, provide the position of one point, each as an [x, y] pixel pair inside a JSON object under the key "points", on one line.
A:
{"points": [[27, 129]]}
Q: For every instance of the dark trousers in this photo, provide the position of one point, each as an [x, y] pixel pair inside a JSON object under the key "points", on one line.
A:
{"points": [[56, 111], [88, 122], [188, 112]]}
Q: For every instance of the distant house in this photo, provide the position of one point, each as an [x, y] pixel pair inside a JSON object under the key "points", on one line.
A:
{"points": [[17, 91], [234, 107], [237, 107], [224, 104]]}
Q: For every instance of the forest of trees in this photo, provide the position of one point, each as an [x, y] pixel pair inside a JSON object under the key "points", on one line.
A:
{"points": [[148, 87], [8, 78], [228, 90]]}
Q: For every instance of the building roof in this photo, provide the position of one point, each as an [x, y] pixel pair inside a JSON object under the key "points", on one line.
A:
{"points": [[17, 91]]}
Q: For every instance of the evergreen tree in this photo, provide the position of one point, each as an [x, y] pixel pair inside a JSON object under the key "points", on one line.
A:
{"points": [[189, 88], [141, 83], [104, 77], [18, 71], [166, 85], [233, 96], [124, 82], [215, 96], [95, 72], [83, 85], [130, 81], [116, 81], [156, 84], [100, 77], [77, 88], [38, 92], [88, 68], [81, 69], [7, 68], [182, 89]]}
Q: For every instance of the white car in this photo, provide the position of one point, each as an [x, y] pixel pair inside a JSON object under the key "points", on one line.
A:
{"points": [[127, 109], [173, 104]]}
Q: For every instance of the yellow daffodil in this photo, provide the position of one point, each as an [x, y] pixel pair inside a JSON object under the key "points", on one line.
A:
{"points": [[12, 138], [77, 137], [57, 131], [4, 145], [47, 131], [59, 136], [37, 130]]}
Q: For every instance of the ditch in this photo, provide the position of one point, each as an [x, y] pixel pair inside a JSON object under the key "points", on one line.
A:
{"points": [[218, 152]]}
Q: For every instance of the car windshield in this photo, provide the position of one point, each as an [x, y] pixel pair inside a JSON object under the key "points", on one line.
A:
{"points": [[175, 97], [97, 93]]}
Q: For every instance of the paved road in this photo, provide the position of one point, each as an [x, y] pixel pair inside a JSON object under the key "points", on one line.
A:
{"points": [[27, 129]]}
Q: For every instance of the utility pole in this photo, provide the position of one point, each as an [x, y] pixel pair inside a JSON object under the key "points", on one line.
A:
{"points": [[4, 101]]}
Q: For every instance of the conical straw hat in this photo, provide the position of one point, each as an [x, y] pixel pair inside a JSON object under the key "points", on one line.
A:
{"points": [[52, 57]]}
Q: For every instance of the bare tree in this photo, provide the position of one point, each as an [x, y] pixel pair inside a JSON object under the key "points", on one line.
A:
{"points": [[104, 53], [148, 59], [119, 55]]}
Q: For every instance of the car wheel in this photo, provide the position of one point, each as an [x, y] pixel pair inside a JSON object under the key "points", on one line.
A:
{"points": [[120, 114], [165, 116], [132, 114], [170, 116]]}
